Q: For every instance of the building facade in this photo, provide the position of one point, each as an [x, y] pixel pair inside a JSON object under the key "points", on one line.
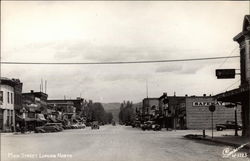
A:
{"points": [[69, 108], [198, 115], [33, 111], [7, 112], [187, 112], [241, 95]]}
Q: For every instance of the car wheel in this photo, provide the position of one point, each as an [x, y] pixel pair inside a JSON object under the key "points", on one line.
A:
{"points": [[219, 129]]}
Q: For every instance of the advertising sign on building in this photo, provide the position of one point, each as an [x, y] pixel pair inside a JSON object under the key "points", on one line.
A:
{"points": [[208, 104]]}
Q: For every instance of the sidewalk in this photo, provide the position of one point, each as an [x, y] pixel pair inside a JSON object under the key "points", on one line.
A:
{"points": [[226, 138]]}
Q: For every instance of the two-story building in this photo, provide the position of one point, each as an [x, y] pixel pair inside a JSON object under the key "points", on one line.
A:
{"points": [[70, 109], [7, 112], [150, 108], [34, 106]]}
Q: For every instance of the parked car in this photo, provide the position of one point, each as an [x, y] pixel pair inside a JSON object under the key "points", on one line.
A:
{"points": [[95, 125], [136, 124], [59, 125], [49, 127], [228, 125], [147, 125], [74, 126], [81, 125], [156, 127], [128, 123], [150, 125], [67, 127]]}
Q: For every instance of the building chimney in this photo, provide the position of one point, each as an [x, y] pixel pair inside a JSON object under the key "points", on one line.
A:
{"points": [[204, 95], [31, 91]]}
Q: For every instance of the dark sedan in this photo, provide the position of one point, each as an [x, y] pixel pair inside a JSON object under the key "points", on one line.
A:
{"points": [[49, 127], [228, 125]]}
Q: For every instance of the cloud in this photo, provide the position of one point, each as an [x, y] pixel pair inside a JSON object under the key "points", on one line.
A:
{"points": [[169, 68], [93, 52], [125, 77], [179, 69], [106, 31]]}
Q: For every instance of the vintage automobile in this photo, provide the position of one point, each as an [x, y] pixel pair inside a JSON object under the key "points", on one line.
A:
{"points": [[228, 125], [128, 123], [150, 125], [136, 124], [147, 125], [81, 125], [59, 125], [67, 127], [49, 127], [156, 127], [95, 125]]}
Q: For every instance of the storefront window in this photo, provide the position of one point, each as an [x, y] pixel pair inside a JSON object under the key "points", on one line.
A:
{"points": [[1, 97], [8, 117], [8, 97], [11, 98]]}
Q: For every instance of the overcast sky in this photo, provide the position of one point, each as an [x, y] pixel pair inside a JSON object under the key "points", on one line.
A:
{"points": [[121, 31]]}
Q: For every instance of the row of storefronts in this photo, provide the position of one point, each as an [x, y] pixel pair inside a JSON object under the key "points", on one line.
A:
{"points": [[25, 111], [185, 112]]}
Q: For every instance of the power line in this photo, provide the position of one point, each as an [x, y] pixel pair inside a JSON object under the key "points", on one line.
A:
{"points": [[228, 56], [231, 85], [117, 62]]}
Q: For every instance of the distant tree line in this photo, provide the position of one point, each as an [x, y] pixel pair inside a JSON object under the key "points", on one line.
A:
{"points": [[96, 112], [126, 114]]}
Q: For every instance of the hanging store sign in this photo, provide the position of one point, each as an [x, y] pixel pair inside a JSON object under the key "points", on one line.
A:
{"points": [[225, 73], [198, 104]]}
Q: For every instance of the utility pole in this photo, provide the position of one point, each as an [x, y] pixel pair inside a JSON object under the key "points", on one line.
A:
{"points": [[212, 109], [147, 88], [235, 117], [45, 86]]}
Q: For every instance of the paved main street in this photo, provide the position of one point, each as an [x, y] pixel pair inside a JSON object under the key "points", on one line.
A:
{"points": [[109, 143]]}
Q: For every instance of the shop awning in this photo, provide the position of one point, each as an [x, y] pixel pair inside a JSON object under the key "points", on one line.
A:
{"points": [[235, 95]]}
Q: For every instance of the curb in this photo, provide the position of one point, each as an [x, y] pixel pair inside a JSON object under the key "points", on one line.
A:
{"points": [[200, 137]]}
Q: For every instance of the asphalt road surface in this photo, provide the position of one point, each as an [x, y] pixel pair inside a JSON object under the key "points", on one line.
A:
{"points": [[109, 143]]}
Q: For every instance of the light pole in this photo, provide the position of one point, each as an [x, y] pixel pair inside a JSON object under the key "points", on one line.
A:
{"points": [[235, 117], [212, 109]]}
